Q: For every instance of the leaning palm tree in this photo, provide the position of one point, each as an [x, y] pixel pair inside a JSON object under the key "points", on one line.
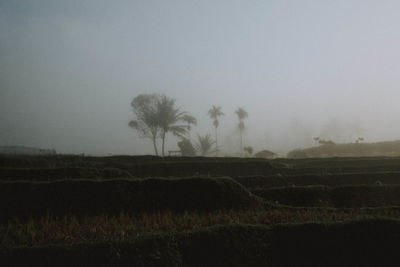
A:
{"points": [[242, 114], [214, 113], [170, 119], [204, 144]]}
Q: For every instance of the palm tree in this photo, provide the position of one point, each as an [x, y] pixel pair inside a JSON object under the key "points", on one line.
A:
{"points": [[242, 114], [204, 144], [156, 115], [168, 119], [214, 113]]}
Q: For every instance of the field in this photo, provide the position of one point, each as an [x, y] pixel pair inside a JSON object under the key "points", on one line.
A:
{"points": [[195, 211]]}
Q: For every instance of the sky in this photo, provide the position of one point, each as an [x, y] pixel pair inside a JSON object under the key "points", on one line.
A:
{"points": [[301, 69]]}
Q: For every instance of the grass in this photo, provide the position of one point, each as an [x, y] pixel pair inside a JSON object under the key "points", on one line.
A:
{"points": [[353, 196], [89, 197], [73, 230], [198, 221]]}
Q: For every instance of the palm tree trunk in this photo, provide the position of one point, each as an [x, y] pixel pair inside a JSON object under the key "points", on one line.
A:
{"points": [[163, 143], [155, 146], [216, 142], [241, 142]]}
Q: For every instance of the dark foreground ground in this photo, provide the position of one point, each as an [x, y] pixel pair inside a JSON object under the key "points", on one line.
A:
{"points": [[151, 211]]}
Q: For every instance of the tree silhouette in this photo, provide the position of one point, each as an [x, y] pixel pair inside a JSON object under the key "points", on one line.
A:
{"points": [[204, 144], [214, 113], [146, 123], [156, 115], [242, 114], [168, 119], [186, 148]]}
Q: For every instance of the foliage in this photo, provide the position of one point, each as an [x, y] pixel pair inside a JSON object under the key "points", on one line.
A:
{"points": [[186, 147], [169, 118], [391, 149], [242, 114], [145, 108], [214, 113], [190, 120], [204, 144], [323, 141], [156, 115]]}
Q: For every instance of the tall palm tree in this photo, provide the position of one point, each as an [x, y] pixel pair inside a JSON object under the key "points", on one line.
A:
{"points": [[242, 114], [169, 118], [214, 113], [204, 144]]}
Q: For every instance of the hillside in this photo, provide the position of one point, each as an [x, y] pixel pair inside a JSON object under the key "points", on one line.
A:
{"points": [[384, 149]]}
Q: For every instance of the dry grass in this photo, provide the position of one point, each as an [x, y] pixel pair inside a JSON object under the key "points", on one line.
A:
{"points": [[70, 230]]}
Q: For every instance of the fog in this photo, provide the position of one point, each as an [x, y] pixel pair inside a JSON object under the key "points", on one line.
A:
{"points": [[301, 69]]}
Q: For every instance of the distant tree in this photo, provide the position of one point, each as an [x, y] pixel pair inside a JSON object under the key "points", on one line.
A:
{"points": [[242, 114], [145, 108], [323, 141], [214, 113], [186, 147], [204, 144], [156, 115], [359, 139]]}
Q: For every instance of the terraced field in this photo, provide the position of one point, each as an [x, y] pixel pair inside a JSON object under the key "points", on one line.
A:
{"points": [[175, 211]]}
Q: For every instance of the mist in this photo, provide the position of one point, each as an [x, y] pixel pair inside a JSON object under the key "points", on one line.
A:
{"points": [[301, 69]]}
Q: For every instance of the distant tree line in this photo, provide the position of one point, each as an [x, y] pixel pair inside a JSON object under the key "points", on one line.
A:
{"points": [[156, 115]]}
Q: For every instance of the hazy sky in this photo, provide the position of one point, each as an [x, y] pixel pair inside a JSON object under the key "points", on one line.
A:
{"points": [[69, 70]]}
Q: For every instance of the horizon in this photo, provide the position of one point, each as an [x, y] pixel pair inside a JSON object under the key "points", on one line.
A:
{"points": [[300, 69]]}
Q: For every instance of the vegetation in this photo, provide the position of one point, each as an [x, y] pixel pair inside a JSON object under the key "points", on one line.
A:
{"points": [[242, 114], [186, 148], [214, 113], [227, 245], [86, 197], [156, 115], [204, 144], [190, 120], [329, 149], [265, 212], [354, 196], [74, 230]]}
